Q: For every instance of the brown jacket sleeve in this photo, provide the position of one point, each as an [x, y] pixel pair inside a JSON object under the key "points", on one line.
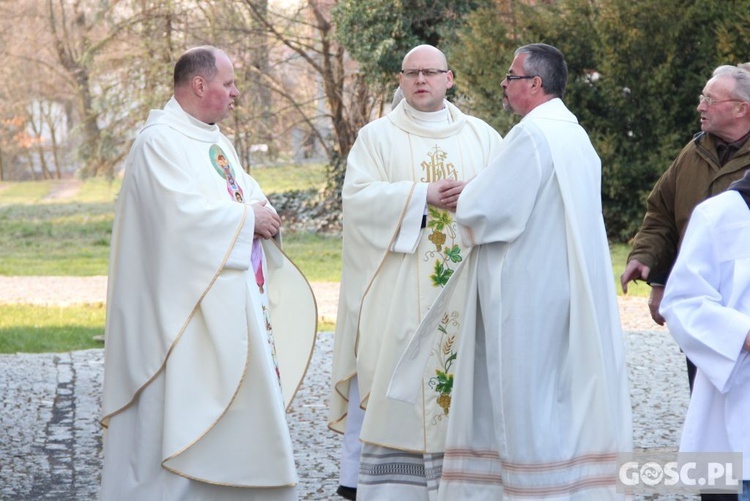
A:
{"points": [[655, 244]]}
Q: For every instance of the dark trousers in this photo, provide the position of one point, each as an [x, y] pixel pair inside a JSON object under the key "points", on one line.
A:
{"points": [[718, 497], [692, 369]]}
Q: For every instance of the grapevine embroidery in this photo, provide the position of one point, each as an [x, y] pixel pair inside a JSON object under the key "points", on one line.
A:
{"points": [[442, 225], [442, 382], [446, 256]]}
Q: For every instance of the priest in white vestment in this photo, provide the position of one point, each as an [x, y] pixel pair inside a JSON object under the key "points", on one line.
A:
{"points": [[707, 308], [541, 406], [400, 246], [202, 355]]}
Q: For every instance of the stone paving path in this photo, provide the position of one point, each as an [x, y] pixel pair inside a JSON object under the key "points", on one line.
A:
{"points": [[65, 291], [50, 439]]}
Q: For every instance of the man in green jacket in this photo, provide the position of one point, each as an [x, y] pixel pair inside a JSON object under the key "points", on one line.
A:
{"points": [[706, 166]]}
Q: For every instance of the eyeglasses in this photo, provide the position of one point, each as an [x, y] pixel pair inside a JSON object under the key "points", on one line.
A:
{"points": [[427, 72], [711, 101], [510, 77]]}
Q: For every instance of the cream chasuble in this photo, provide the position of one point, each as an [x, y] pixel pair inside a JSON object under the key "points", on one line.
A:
{"points": [[541, 405], [202, 354], [386, 292]]}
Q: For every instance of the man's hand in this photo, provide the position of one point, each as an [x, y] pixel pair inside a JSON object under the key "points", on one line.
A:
{"points": [[444, 194], [635, 270], [654, 301], [267, 222], [747, 342]]}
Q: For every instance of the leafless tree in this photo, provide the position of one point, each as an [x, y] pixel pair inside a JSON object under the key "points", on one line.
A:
{"points": [[294, 62], [102, 65]]}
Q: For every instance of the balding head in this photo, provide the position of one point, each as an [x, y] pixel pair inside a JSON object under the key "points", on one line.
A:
{"points": [[426, 51], [425, 78], [194, 62], [204, 84]]}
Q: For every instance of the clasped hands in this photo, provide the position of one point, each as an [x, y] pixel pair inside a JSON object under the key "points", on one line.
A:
{"points": [[444, 193], [267, 222]]}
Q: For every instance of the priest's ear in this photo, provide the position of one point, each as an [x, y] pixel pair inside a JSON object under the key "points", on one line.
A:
{"points": [[198, 84]]}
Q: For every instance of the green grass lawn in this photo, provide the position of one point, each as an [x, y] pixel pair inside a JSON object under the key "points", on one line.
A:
{"points": [[41, 329], [41, 235], [70, 237], [290, 177]]}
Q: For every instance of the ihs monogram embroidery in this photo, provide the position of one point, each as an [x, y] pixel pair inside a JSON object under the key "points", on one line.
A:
{"points": [[437, 168]]}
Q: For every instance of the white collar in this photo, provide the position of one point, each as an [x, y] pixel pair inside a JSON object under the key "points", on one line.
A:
{"points": [[427, 118]]}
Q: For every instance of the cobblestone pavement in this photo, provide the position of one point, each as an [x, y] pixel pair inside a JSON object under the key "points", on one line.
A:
{"points": [[51, 440]]}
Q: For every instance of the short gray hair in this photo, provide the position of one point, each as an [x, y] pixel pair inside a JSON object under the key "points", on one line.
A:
{"points": [[549, 64], [741, 77]]}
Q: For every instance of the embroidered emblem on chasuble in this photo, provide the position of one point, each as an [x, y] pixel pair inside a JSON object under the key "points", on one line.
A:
{"points": [[443, 252], [437, 167], [224, 168]]}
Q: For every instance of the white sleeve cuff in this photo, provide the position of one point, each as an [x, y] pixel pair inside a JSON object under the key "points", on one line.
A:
{"points": [[239, 258], [411, 227]]}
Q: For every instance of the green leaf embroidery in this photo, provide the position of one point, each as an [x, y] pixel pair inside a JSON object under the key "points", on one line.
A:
{"points": [[449, 362], [441, 275], [439, 219], [454, 254], [444, 384]]}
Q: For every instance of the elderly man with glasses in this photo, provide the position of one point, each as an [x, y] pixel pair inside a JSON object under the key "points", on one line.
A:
{"points": [[400, 246], [706, 166]]}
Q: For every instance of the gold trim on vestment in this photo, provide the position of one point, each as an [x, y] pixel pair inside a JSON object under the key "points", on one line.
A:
{"points": [[105, 419], [315, 330]]}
